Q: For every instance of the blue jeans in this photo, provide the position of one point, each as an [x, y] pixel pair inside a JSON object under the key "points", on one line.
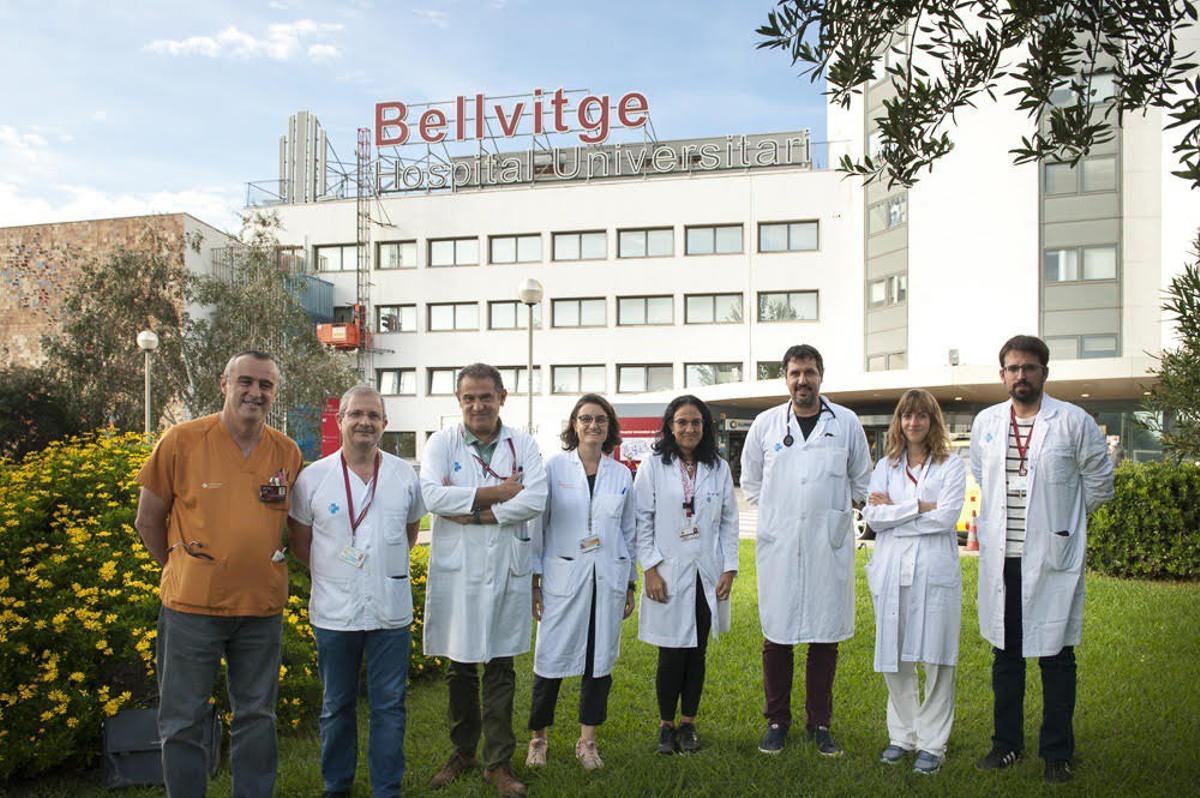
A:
{"points": [[339, 657]]}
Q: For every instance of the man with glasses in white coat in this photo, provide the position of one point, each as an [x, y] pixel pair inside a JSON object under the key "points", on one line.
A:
{"points": [[803, 464]]}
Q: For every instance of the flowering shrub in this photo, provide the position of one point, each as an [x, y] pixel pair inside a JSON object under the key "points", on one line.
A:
{"points": [[79, 606]]}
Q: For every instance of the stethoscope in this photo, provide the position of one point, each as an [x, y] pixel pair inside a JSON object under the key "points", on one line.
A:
{"points": [[788, 440]]}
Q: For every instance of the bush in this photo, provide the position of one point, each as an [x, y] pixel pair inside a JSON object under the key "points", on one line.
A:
{"points": [[1149, 529], [79, 606]]}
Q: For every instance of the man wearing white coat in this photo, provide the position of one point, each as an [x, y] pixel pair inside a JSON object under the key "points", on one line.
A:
{"points": [[354, 516], [482, 481], [803, 464], [1042, 466]]}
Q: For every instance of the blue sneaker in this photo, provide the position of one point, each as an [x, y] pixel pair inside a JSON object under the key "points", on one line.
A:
{"points": [[893, 755], [826, 745], [773, 740], [927, 763]]}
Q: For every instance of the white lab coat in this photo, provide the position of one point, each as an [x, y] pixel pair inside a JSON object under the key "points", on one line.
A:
{"points": [[1070, 475], [568, 572], [660, 519], [918, 551], [805, 538], [477, 597]]}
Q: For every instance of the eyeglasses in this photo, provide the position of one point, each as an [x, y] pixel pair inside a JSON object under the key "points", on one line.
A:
{"points": [[587, 421], [689, 423], [187, 549], [1024, 368]]}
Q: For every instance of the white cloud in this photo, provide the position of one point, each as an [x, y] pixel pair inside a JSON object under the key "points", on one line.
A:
{"points": [[23, 151], [439, 19], [100, 115], [218, 205], [321, 53], [277, 5], [281, 42]]}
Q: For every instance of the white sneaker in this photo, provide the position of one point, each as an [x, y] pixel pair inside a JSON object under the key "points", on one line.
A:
{"points": [[536, 758], [588, 755]]}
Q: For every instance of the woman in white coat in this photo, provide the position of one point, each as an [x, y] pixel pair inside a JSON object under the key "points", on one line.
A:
{"points": [[584, 575], [916, 495], [687, 541]]}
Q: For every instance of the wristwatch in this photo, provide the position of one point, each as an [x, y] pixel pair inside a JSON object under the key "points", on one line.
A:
{"points": [[475, 517], [633, 586]]}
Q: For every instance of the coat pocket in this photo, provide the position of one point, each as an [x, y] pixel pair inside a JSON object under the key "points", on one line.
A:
{"points": [[1064, 552], [521, 562], [395, 545], [839, 525], [446, 551]]}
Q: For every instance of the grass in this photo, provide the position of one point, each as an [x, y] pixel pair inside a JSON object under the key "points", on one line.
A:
{"points": [[1137, 717]]}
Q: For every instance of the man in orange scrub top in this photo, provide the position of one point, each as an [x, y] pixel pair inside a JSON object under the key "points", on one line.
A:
{"points": [[213, 504]]}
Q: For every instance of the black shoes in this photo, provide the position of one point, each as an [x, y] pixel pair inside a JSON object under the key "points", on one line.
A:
{"points": [[998, 759], [687, 739], [1057, 772], [773, 739], [666, 740], [826, 745]]}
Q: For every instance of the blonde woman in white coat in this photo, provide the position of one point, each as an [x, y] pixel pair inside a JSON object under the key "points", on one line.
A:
{"points": [[916, 495], [584, 578], [687, 540]]}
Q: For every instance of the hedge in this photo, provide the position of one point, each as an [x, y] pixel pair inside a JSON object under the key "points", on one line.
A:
{"points": [[1150, 528], [79, 606]]}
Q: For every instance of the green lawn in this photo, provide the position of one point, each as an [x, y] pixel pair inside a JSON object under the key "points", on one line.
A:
{"points": [[1137, 717]]}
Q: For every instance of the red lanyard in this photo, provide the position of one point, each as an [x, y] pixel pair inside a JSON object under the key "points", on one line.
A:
{"points": [[689, 489], [1022, 448], [356, 520], [908, 472], [487, 469]]}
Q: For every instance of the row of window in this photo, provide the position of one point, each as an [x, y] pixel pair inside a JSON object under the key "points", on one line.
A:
{"points": [[650, 242], [632, 311], [1098, 173], [578, 378], [1073, 264]]}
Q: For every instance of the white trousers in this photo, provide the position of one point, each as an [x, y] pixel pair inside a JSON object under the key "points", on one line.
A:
{"points": [[914, 724]]}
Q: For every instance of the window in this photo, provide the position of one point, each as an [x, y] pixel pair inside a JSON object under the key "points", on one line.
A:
{"points": [[1098, 346], [516, 249], [639, 310], [887, 361], [1063, 265], [787, 237], [442, 381], [592, 245], [401, 444], [398, 255], [641, 378], [1076, 347], [343, 314], [769, 370], [1060, 178], [395, 318], [891, 290], [512, 316], [1099, 174], [453, 316], [713, 309], [711, 373], [886, 214], [338, 258], [516, 379], [1103, 88], [579, 312], [454, 252], [291, 259], [649, 243], [787, 306], [723, 239], [396, 382], [578, 379]]}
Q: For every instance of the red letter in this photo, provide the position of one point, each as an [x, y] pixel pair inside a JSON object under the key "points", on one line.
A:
{"points": [[537, 111], [558, 103], [432, 122], [381, 139], [460, 121], [509, 126], [600, 126], [479, 116], [633, 103]]}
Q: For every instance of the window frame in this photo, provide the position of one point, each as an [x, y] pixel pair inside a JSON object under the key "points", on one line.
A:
{"points": [[317, 249], [1080, 264], [456, 240], [645, 232], [579, 378], [398, 244], [741, 298], [715, 365], [429, 306], [514, 388], [789, 249], [687, 230], [645, 367], [554, 303], [579, 234], [758, 305], [379, 319], [399, 372], [399, 433], [432, 371], [516, 239], [519, 314], [645, 299]]}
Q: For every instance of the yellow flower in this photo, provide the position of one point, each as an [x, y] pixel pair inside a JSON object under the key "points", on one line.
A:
{"points": [[76, 677]]}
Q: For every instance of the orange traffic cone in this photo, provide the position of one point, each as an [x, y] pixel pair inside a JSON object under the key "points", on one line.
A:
{"points": [[972, 534]]}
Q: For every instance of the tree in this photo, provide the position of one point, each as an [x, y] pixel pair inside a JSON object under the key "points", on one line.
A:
{"points": [[95, 354], [959, 53], [34, 411], [252, 303], [1177, 394]]}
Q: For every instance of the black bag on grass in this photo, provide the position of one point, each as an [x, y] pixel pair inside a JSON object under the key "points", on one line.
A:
{"points": [[132, 751]]}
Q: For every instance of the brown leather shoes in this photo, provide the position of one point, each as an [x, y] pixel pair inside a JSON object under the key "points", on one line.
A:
{"points": [[502, 778], [455, 766]]}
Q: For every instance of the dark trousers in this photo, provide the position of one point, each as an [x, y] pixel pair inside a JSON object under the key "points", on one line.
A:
{"points": [[495, 722], [1057, 738], [820, 668], [680, 678], [593, 691]]}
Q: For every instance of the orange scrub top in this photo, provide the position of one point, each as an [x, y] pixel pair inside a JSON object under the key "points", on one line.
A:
{"points": [[213, 493]]}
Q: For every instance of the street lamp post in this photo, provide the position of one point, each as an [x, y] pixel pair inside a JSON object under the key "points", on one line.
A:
{"points": [[530, 293], [147, 341]]}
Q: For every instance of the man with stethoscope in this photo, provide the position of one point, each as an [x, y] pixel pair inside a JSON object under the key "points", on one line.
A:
{"points": [[482, 480], [1042, 466], [354, 516], [803, 464]]}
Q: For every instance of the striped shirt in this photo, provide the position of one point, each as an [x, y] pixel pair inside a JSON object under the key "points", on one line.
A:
{"points": [[1014, 545]]}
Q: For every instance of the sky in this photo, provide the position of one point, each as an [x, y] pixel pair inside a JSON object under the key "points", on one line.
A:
{"points": [[121, 108]]}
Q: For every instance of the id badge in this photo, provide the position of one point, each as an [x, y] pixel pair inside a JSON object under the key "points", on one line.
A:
{"points": [[689, 532], [352, 556], [1018, 483], [589, 543]]}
